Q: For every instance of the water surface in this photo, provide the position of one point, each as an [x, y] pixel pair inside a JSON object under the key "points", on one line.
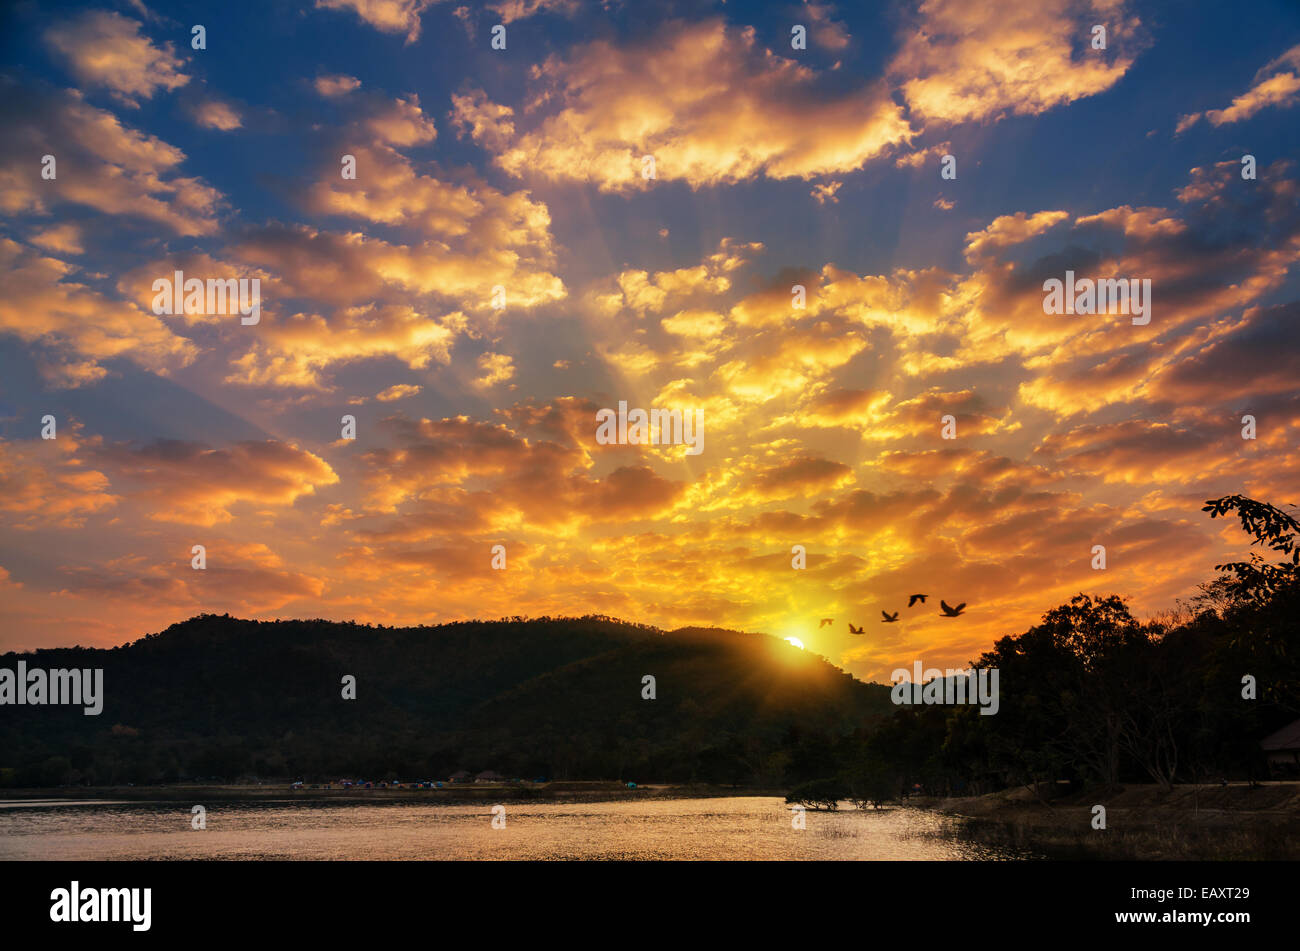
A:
{"points": [[756, 827]]}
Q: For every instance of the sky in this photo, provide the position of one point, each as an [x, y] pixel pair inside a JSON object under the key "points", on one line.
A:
{"points": [[506, 263]]}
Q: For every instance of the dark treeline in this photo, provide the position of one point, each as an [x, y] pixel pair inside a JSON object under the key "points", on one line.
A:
{"points": [[1093, 696], [217, 698]]}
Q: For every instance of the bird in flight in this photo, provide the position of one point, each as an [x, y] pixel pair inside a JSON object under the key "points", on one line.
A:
{"points": [[854, 630], [825, 621], [949, 611], [888, 618], [916, 597]]}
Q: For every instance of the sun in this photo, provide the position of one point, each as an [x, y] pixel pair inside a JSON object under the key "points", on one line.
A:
{"points": [[796, 642]]}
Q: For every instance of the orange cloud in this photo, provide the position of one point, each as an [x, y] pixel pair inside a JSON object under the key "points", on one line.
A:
{"points": [[511, 10], [1276, 84], [378, 298], [213, 114], [60, 239], [844, 407], [975, 60], [387, 16], [1006, 230], [472, 213], [43, 483], [397, 391], [496, 367], [118, 171], [799, 476], [44, 303], [510, 481], [193, 484], [642, 292], [103, 48], [826, 193], [826, 31], [242, 577], [704, 99], [298, 348], [335, 84]]}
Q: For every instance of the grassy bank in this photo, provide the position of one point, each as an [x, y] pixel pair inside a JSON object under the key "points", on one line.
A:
{"points": [[1237, 821]]}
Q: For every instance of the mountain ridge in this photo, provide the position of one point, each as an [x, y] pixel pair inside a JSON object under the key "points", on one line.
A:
{"points": [[218, 696]]}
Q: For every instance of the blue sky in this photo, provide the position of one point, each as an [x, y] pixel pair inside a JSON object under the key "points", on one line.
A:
{"points": [[520, 167]]}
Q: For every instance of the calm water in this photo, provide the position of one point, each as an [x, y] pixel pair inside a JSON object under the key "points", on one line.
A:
{"points": [[739, 828]]}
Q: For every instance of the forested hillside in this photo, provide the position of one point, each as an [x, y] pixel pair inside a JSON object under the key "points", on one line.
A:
{"points": [[220, 697]]}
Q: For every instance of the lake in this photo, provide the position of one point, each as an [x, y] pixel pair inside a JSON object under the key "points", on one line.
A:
{"points": [[752, 827]]}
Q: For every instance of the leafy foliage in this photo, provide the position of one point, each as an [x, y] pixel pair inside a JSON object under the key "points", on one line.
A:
{"points": [[1090, 694], [819, 793], [1272, 528]]}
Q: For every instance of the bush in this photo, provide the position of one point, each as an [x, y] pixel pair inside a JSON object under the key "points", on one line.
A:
{"points": [[819, 794]]}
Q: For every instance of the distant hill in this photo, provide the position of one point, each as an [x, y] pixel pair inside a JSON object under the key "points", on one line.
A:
{"points": [[217, 697]]}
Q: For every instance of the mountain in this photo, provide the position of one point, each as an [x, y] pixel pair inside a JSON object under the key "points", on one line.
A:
{"points": [[218, 697]]}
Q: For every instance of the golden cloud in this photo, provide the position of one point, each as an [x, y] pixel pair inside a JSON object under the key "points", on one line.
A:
{"points": [[243, 577], [43, 483], [44, 304], [799, 476], [60, 239], [387, 16], [214, 114], [194, 484], [294, 351], [103, 48], [511, 10], [976, 60], [1276, 84], [118, 171], [333, 85], [704, 99], [398, 391], [496, 368]]}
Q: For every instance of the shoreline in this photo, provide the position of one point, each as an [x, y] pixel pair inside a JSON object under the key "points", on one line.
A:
{"points": [[1143, 822], [594, 791]]}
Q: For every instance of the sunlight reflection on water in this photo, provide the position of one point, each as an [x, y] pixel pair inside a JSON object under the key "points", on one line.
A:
{"points": [[725, 828]]}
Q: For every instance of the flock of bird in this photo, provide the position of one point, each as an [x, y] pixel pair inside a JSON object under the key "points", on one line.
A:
{"points": [[886, 618]]}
